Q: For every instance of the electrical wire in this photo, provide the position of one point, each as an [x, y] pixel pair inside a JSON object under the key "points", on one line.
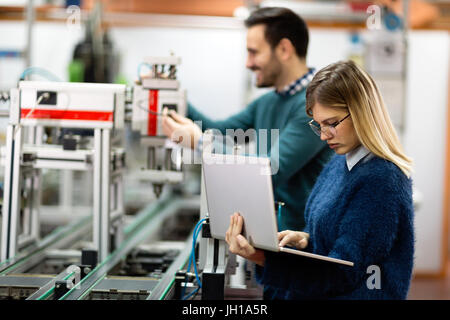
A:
{"points": [[189, 264], [197, 230], [44, 95], [195, 294], [42, 72], [139, 105], [192, 293], [193, 254]]}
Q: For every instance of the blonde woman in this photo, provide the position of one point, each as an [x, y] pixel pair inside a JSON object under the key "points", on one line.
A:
{"points": [[360, 208]]}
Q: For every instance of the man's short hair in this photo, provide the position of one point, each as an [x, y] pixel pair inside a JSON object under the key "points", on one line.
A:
{"points": [[281, 23]]}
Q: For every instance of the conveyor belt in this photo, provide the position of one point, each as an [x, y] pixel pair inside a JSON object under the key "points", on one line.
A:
{"points": [[164, 288], [47, 290], [146, 224], [141, 218]]}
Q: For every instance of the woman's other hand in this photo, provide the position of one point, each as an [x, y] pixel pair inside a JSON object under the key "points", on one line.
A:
{"points": [[295, 239]]}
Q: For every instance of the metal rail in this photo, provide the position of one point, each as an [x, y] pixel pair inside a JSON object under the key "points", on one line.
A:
{"points": [[164, 287], [58, 238], [146, 224]]}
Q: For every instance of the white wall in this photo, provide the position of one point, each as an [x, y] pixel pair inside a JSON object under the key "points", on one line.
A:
{"points": [[327, 46], [52, 49], [212, 68], [425, 138]]}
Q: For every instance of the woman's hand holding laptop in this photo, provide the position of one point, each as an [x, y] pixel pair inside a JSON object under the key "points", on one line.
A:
{"points": [[238, 244]]}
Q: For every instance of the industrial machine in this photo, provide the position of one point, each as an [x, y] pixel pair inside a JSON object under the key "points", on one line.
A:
{"points": [[89, 121], [106, 253], [35, 105], [155, 92]]}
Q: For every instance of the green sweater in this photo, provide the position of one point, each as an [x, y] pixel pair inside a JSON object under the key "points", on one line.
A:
{"points": [[301, 154]]}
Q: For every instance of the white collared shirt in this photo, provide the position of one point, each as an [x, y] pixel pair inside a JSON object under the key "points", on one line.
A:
{"points": [[356, 155]]}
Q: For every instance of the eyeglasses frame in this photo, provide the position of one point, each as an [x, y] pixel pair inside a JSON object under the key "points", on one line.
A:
{"points": [[319, 130]]}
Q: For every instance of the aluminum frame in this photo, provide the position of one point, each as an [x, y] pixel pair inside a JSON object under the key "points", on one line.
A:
{"points": [[19, 173]]}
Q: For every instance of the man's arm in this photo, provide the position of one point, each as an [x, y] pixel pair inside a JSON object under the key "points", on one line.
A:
{"points": [[188, 130], [242, 120]]}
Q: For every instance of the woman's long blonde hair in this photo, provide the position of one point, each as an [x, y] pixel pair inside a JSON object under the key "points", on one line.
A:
{"points": [[345, 85]]}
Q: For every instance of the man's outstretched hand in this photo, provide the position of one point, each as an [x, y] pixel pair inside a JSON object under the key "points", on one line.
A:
{"points": [[180, 129]]}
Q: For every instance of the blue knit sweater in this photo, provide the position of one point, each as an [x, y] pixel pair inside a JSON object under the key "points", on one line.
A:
{"points": [[364, 215]]}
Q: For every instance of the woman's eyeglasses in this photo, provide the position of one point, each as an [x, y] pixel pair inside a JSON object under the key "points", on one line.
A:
{"points": [[328, 130]]}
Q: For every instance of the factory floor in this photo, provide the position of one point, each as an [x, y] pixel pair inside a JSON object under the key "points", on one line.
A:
{"points": [[429, 288]]}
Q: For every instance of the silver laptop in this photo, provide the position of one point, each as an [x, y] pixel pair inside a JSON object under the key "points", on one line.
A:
{"points": [[244, 184]]}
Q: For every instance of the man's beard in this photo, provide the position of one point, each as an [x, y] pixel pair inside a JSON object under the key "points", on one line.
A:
{"points": [[271, 73]]}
